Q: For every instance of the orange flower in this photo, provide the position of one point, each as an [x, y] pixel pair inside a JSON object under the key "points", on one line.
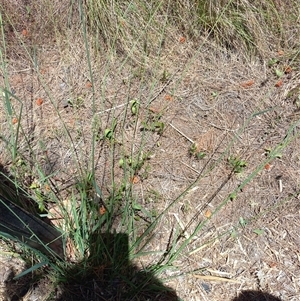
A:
{"points": [[102, 210], [168, 97], [247, 84], [182, 40], [279, 83], [39, 101], [15, 120], [24, 32]]}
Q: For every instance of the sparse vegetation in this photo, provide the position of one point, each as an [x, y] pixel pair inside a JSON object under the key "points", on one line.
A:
{"points": [[118, 119], [237, 164]]}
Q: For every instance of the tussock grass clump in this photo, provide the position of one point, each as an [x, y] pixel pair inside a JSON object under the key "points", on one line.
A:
{"points": [[135, 125], [140, 28]]}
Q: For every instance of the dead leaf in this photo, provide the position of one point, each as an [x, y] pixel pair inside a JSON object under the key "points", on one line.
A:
{"points": [[280, 52], [168, 97], [182, 40], [247, 84], [207, 213], [154, 110], [24, 33], [135, 179], [287, 69], [102, 210], [279, 83], [88, 84], [272, 264], [268, 166], [47, 187], [39, 101]]}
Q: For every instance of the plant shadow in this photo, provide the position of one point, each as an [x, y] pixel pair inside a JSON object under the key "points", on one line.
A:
{"points": [[109, 275], [255, 296], [105, 273]]}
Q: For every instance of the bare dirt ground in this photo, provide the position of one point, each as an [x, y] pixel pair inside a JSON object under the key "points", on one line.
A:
{"points": [[252, 242]]}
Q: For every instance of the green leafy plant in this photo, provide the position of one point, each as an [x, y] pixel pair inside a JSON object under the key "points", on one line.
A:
{"points": [[77, 102], [109, 132], [259, 231], [134, 164], [237, 164], [153, 125], [194, 151], [134, 107], [279, 73]]}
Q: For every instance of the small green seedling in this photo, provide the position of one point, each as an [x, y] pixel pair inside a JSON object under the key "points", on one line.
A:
{"points": [[232, 196], [297, 102], [279, 73], [156, 126], [19, 162], [272, 62], [268, 151], [234, 233], [28, 10], [134, 164], [76, 102], [159, 127], [165, 76], [237, 164], [259, 231], [214, 94], [39, 196], [136, 207], [200, 155], [109, 132], [121, 163], [134, 107], [195, 152], [243, 222], [193, 149]]}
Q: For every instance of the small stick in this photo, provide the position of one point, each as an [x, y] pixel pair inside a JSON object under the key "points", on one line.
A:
{"points": [[113, 108], [193, 169], [215, 278], [181, 225], [280, 185], [279, 179], [185, 136]]}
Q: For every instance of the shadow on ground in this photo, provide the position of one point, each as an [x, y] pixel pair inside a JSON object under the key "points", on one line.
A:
{"points": [[111, 276], [255, 296], [105, 274]]}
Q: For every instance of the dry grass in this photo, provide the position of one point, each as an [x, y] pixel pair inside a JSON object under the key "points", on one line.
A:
{"points": [[206, 77]]}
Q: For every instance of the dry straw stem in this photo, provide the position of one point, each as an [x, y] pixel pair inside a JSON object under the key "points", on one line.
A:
{"points": [[185, 136], [215, 278]]}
